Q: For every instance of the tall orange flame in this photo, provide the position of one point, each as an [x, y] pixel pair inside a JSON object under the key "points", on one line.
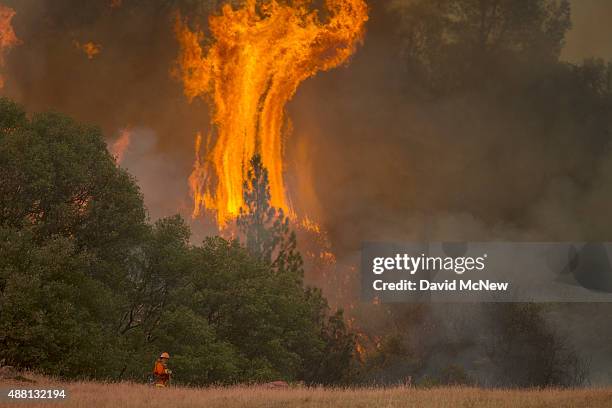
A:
{"points": [[197, 180], [259, 56], [8, 39]]}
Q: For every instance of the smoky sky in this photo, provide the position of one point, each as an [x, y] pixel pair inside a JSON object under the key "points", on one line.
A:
{"points": [[591, 32], [365, 158]]}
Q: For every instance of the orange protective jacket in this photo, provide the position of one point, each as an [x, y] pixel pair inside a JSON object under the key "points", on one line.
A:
{"points": [[161, 374]]}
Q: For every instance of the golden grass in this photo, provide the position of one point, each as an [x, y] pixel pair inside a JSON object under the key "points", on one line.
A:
{"points": [[118, 395]]}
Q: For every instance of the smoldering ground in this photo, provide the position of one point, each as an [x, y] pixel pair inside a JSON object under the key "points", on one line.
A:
{"points": [[375, 153]]}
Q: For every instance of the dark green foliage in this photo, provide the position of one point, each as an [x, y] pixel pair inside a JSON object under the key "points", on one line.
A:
{"points": [[68, 217], [265, 228], [258, 221], [65, 182], [50, 307], [331, 365], [89, 289], [255, 311]]}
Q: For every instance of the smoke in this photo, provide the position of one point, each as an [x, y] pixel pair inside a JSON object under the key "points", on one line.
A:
{"points": [[391, 164], [591, 33], [119, 147], [370, 157], [368, 160], [127, 82], [154, 171]]}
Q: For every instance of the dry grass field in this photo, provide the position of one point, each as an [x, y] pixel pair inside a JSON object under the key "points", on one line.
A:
{"points": [[101, 395]]}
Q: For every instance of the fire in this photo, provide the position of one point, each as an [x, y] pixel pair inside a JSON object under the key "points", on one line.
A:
{"points": [[197, 178], [259, 56], [310, 225], [115, 3], [8, 39], [316, 248], [119, 147], [89, 48]]}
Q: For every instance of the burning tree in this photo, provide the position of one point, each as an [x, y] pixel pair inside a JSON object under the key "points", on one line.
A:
{"points": [[259, 56], [266, 229]]}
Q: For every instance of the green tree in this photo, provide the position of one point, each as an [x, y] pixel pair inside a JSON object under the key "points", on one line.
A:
{"points": [[326, 349], [52, 314], [263, 315], [335, 359], [266, 229], [157, 269], [77, 219], [59, 179]]}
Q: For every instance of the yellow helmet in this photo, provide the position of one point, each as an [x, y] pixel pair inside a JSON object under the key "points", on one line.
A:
{"points": [[164, 355]]}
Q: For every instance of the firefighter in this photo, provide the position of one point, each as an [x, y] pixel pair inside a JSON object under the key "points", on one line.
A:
{"points": [[161, 372]]}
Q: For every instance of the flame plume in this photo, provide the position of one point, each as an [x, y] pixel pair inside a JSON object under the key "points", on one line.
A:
{"points": [[259, 56], [197, 178], [120, 146], [8, 39]]}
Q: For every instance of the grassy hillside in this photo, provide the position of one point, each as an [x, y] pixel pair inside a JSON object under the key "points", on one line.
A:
{"points": [[99, 395]]}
